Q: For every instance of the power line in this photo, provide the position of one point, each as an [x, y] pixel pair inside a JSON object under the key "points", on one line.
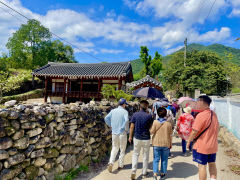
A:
{"points": [[211, 8], [49, 31]]}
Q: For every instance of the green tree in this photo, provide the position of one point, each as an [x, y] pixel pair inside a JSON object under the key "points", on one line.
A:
{"points": [[27, 45], [61, 53], [156, 64], [146, 59], [204, 71], [3, 80]]}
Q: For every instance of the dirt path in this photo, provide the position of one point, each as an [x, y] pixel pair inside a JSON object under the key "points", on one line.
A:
{"points": [[179, 167]]}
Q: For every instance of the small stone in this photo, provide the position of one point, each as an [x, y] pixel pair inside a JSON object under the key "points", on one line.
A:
{"points": [[3, 154], [40, 162], [60, 158], [18, 135], [51, 153], [40, 172], [29, 150], [60, 126], [67, 150], [92, 140], [29, 125], [2, 132], [49, 118], [34, 139], [21, 107], [34, 132], [13, 115], [37, 153], [12, 151], [9, 130], [31, 172], [69, 162], [15, 124], [58, 169], [43, 142], [22, 175], [4, 113], [5, 143], [49, 165], [72, 127], [10, 103], [8, 174], [22, 143], [16, 159]]}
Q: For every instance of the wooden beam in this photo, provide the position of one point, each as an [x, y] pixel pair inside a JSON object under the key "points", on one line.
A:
{"points": [[45, 94], [64, 91]]}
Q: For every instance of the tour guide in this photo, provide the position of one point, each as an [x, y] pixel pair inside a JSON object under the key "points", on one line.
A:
{"points": [[205, 135], [118, 120]]}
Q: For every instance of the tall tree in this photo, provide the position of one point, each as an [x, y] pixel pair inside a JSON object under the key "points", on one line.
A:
{"points": [[156, 64], [27, 43], [61, 53], [146, 59], [204, 71]]}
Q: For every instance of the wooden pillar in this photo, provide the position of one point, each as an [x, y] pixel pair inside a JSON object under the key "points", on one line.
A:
{"points": [[81, 88], [120, 84], [68, 87], [99, 87], [45, 94], [64, 91]]}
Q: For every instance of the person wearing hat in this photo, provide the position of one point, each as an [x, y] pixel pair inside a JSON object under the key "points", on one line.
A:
{"points": [[118, 120], [184, 127]]}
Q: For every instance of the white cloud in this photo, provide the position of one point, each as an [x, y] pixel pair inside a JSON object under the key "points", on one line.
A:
{"points": [[81, 30], [111, 51], [236, 8], [172, 50]]}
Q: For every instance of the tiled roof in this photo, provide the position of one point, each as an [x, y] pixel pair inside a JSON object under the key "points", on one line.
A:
{"points": [[79, 70], [143, 80]]}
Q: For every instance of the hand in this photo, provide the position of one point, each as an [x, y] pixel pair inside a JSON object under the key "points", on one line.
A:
{"points": [[130, 139], [171, 147]]}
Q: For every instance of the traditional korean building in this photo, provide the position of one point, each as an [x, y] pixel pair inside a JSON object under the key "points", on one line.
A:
{"points": [[145, 82], [70, 82]]}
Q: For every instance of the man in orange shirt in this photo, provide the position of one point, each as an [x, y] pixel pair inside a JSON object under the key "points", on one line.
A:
{"points": [[205, 130]]}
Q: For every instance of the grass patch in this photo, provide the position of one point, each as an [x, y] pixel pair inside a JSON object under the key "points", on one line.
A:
{"points": [[23, 97], [72, 173], [235, 169], [232, 153]]}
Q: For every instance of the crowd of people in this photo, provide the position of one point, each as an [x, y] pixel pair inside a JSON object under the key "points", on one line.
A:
{"points": [[157, 126]]}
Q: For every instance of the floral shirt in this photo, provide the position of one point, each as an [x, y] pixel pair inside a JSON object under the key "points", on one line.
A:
{"points": [[184, 125]]}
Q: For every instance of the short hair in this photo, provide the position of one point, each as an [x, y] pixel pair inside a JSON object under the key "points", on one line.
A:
{"points": [[206, 99], [162, 112], [144, 104]]}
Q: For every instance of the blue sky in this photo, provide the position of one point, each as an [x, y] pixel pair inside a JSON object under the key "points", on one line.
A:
{"points": [[113, 31]]}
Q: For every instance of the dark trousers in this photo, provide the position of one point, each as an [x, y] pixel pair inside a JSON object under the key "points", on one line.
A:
{"points": [[184, 148]]}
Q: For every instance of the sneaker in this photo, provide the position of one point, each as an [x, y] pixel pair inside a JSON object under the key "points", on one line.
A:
{"points": [[133, 176], [110, 166], [120, 167], [144, 175], [154, 177], [185, 154], [163, 176]]}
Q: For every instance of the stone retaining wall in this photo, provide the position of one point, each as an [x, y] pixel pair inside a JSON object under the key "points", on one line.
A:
{"points": [[38, 141]]}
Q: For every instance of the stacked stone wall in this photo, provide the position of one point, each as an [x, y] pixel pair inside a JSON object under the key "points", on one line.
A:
{"points": [[39, 141]]}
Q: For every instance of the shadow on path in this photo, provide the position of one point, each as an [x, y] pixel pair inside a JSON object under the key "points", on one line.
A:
{"points": [[182, 170]]}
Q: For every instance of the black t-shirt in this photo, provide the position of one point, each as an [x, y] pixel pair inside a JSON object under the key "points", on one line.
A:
{"points": [[142, 121]]}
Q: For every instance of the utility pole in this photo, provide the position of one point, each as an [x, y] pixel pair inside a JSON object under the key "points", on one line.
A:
{"points": [[185, 51]]}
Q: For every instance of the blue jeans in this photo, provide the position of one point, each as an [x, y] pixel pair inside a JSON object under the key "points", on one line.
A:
{"points": [[160, 152], [184, 145]]}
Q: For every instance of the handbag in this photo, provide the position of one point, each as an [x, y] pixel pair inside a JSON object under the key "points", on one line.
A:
{"points": [[196, 138]]}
